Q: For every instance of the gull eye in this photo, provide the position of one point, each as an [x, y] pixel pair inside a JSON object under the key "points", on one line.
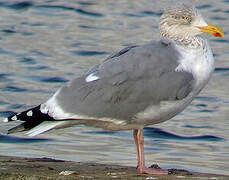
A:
{"points": [[186, 18]]}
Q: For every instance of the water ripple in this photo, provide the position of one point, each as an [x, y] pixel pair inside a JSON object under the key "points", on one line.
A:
{"points": [[77, 10], [100, 132], [205, 111], [14, 89], [11, 53], [19, 140], [4, 77], [8, 31], [159, 133], [3, 51], [17, 5], [88, 53], [198, 127], [5, 114], [33, 24], [27, 33], [131, 15], [201, 105], [16, 106], [28, 60], [77, 44], [217, 18], [38, 53], [38, 68], [151, 13], [221, 69], [205, 6], [86, 3], [220, 40], [47, 79], [216, 10], [86, 27], [202, 108], [208, 99]]}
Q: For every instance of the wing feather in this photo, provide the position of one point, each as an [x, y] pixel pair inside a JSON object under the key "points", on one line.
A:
{"points": [[128, 82]]}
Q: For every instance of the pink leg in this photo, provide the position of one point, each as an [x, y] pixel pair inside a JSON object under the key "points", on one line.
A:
{"points": [[139, 140]]}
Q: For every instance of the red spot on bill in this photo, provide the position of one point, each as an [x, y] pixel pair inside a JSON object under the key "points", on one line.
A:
{"points": [[217, 35]]}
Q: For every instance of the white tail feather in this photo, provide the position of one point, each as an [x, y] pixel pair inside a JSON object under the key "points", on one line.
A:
{"points": [[45, 126]]}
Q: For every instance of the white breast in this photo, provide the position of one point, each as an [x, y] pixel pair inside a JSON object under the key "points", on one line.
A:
{"points": [[198, 61]]}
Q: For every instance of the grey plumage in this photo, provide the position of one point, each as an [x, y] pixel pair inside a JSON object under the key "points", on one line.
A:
{"points": [[128, 83]]}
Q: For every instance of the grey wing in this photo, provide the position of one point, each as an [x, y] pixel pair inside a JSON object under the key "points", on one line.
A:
{"points": [[95, 69], [128, 82]]}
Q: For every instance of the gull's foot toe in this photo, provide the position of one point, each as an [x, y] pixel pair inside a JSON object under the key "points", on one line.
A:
{"points": [[152, 171]]}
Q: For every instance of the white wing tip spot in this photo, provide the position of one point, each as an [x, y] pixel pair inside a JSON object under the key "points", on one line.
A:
{"points": [[91, 77], [29, 113], [5, 120], [14, 118]]}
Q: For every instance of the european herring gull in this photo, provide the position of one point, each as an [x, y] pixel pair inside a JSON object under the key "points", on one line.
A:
{"points": [[139, 86]]}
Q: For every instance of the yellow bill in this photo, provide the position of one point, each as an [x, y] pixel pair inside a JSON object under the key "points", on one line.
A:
{"points": [[213, 30]]}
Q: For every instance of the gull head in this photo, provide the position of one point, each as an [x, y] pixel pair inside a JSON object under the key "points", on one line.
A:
{"points": [[185, 21]]}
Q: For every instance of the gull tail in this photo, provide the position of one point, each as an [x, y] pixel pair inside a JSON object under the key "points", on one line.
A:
{"points": [[37, 122], [31, 117]]}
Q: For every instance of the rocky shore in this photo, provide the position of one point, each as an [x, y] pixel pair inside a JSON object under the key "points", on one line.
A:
{"points": [[19, 168]]}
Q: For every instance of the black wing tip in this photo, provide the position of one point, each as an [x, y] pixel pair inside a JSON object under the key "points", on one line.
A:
{"points": [[23, 116], [11, 118], [16, 129], [31, 117]]}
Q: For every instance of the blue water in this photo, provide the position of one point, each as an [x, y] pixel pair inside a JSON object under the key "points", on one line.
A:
{"points": [[44, 44], [17, 140]]}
